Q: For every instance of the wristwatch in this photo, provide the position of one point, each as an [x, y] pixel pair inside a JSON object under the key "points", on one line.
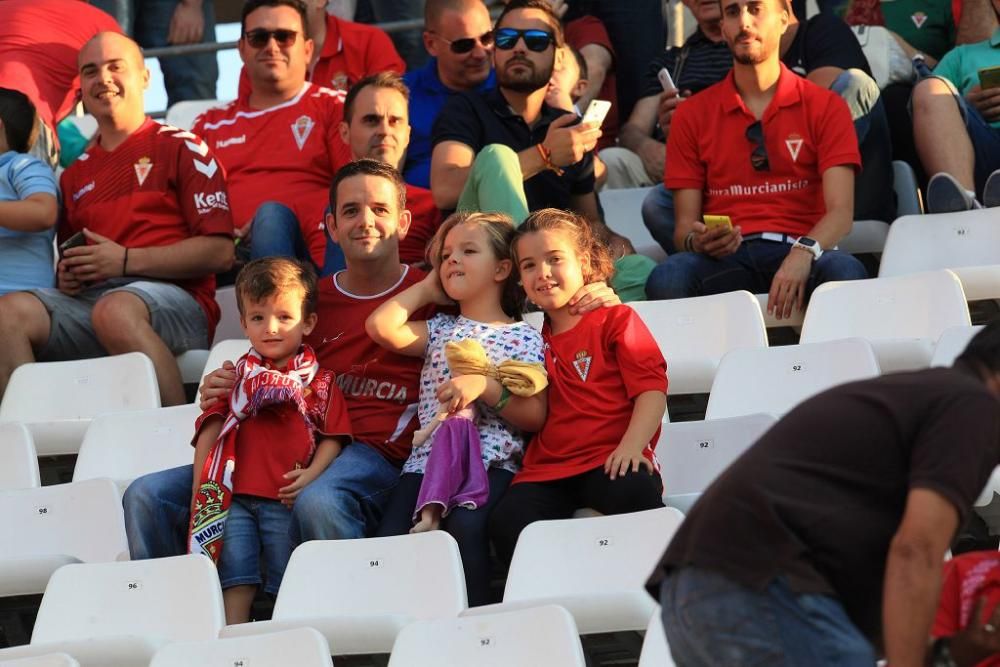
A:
{"points": [[811, 245]]}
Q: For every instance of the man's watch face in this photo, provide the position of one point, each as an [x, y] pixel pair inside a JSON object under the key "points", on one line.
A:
{"points": [[806, 241]]}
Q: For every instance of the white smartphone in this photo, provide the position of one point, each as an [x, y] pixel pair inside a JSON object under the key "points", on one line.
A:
{"points": [[597, 111], [665, 80]]}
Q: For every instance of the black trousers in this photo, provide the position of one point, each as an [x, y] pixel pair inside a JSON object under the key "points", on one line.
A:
{"points": [[527, 502]]}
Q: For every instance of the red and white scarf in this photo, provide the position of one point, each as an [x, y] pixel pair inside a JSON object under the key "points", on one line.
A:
{"points": [[256, 388]]}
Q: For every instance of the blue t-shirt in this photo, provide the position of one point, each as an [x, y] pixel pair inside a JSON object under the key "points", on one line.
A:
{"points": [[26, 258], [961, 65], [427, 98]]}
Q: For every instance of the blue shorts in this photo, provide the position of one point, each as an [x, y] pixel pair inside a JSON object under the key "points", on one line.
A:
{"points": [[985, 138], [255, 527]]}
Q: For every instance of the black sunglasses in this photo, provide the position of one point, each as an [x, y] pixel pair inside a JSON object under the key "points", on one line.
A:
{"points": [[259, 37], [466, 44], [535, 40], [758, 156]]}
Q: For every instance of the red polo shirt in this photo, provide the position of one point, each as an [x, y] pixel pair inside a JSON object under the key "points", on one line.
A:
{"points": [[807, 130], [351, 51]]}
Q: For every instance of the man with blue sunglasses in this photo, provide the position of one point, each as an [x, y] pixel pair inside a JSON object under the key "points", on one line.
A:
{"points": [[507, 150]]}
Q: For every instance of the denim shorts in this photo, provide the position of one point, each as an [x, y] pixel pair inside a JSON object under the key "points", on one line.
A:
{"points": [[984, 137], [255, 528], [174, 315]]}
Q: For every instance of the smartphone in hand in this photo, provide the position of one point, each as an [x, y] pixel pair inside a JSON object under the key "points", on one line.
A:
{"points": [[597, 111], [712, 221], [74, 241], [665, 80]]}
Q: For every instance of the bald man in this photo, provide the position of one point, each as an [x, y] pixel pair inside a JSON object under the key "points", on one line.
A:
{"points": [[458, 35], [147, 213]]}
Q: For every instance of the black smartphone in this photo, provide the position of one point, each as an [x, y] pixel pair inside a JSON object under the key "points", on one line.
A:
{"points": [[74, 241]]}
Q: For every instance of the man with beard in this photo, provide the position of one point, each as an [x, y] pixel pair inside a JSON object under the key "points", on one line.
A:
{"points": [[775, 154], [507, 150]]}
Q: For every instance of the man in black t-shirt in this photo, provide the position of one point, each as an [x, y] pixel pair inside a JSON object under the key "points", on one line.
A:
{"points": [[507, 150], [822, 49], [824, 541]]}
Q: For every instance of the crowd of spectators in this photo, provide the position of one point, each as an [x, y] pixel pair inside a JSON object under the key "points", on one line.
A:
{"points": [[367, 166]]}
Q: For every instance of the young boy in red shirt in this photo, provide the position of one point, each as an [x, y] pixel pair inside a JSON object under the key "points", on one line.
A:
{"points": [[285, 421]]}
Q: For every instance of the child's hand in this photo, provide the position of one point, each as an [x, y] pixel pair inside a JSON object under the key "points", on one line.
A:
{"points": [[591, 297], [300, 479], [458, 392], [217, 385], [625, 457], [433, 290]]}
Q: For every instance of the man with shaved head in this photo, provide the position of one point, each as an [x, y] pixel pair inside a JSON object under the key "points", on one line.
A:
{"points": [[146, 212], [458, 35]]}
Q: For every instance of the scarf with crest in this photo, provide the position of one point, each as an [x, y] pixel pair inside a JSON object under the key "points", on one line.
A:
{"points": [[257, 387]]}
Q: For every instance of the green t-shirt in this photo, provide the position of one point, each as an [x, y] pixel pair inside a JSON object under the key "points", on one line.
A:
{"points": [[927, 25], [961, 65]]}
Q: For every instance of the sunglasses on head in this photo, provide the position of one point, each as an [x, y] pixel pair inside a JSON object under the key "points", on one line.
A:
{"points": [[535, 40], [758, 156], [466, 44], [259, 37]]}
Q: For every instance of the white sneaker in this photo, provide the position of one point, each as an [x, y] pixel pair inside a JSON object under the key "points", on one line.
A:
{"points": [[946, 195]]}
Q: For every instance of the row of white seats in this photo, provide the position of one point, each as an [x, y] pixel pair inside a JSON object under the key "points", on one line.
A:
{"points": [[358, 593], [695, 334]]}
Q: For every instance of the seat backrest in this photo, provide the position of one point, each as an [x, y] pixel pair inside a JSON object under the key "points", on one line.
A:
{"points": [[543, 635], [83, 520], [183, 114], [302, 647], [952, 343], [176, 599], [904, 182], [74, 390], [417, 575], [18, 459], [921, 305], [127, 445], [47, 660], [229, 321], [692, 454], [655, 651], [225, 350], [601, 554], [693, 334], [623, 214], [941, 241], [776, 379]]}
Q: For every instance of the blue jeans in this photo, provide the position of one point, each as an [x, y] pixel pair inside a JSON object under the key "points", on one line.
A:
{"points": [[344, 502], [751, 267], [255, 527], [711, 621], [190, 77], [275, 232], [468, 527], [658, 216]]}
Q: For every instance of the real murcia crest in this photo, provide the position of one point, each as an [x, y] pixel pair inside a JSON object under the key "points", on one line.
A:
{"points": [[142, 169], [794, 145], [582, 364], [301, 128], [919, 18]]}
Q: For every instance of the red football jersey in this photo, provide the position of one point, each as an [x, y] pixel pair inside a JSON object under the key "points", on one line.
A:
{"points": [[277, 440], [380, 387], [596, 369], [288, 154], [426, 218], [806, 130], [967, 578], [351, 51], [39, 41], [161, 186]]}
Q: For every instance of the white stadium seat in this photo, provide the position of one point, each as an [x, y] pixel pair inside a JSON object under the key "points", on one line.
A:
{"points": [[127, 445], [595, 567], [229, 322], [224, 350], [776, 379], [692, 454], [18, 459], [694, 334], [57, 400], [183, 114], [120, 614], [191, 365], [301, 647], [952, 343], [361, 593], [655, 651], [543, 635], [47, 660], [968, 243], [623, 214], [48, 527], [902, 317]]}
